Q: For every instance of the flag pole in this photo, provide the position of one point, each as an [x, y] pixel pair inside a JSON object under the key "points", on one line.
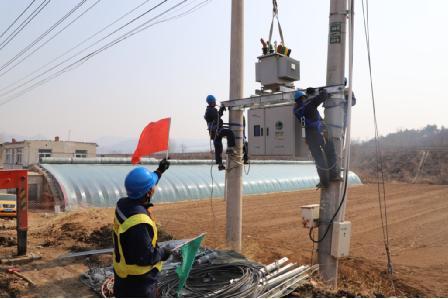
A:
{"points": [[168, 149]]}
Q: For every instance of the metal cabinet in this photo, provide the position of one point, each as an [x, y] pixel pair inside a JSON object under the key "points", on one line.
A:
{"points": [[257, 140], [275, 131]]}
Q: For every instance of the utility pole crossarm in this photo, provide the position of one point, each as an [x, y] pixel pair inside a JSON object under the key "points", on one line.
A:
{"points": [[274, 98], [262, 100]]}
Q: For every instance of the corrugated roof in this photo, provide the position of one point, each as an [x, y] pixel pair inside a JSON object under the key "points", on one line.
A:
{"points": [[101, 185]]}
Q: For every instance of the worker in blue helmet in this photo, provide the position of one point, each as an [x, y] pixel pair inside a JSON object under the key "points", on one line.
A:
{"points": [[137, 259], [322, 150], [217, 130]]}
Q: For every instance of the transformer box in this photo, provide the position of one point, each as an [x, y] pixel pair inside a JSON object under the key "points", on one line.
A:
{"points": [[275, 131]]}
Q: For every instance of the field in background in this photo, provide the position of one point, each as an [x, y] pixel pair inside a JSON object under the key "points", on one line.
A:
{"points": [[271, 229]]}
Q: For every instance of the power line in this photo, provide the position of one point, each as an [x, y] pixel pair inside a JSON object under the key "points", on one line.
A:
{"points": [[50, 39], [84, 59], [187, 12], [42, 36], [379, 158], [84, 49], [75, 47], [21, 14], [24, 24]]}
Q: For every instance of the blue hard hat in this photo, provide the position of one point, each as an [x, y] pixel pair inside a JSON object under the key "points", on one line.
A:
{"points": [[139, 181], [210, 99], [298, 94]]}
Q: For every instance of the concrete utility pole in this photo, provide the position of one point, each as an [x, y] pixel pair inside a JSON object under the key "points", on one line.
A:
{"points": [[334, 117], [234, 184]]}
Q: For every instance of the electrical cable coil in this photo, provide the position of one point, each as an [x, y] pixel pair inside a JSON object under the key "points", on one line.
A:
{"points": [[212, 280]]}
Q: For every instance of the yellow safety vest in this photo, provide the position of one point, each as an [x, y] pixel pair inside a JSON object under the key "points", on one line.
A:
{"points": [[122, 268]]}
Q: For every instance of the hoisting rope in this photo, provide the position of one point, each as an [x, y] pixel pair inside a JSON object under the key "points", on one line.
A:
{"points": [[379, 157], [275, 16]]}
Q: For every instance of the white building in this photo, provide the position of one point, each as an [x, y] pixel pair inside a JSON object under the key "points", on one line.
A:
{"points": [[21, 154]]}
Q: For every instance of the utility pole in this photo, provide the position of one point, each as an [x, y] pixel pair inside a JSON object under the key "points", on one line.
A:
{"points": [[234, 172], [334, 117]]}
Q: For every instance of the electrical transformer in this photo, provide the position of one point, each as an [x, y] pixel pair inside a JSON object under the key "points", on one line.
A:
{"points": [[275, 70], [275, 131]]}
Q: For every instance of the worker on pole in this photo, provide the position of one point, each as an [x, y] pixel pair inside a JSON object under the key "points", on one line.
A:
{"points": [[217, 130], [321, 149], [137, 259]]}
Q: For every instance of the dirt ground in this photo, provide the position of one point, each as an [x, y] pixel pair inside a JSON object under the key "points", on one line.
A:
{"points": [[418, 228]]}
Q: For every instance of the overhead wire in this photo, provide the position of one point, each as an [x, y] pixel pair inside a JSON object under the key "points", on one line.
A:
{"points": [[79, 62], [17, 18], [380, 172], [84, 58], [24, 24], [136, 30], [15, 58], [187, 12], [77, 46]]}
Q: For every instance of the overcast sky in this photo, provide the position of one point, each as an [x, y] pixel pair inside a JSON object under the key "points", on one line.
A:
{"points": [[169, 69]]}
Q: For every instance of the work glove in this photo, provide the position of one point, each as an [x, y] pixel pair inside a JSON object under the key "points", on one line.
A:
{"points": [[310, 91], [221, 110], [163, 165], [322, 90], [166, 253]]}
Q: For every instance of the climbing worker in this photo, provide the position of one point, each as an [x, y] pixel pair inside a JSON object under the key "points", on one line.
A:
{"points": [[322, 150], [217, 131], [137, 259]]}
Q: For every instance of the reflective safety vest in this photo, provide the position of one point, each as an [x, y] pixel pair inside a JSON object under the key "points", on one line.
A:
{"points": [[121, 267]]}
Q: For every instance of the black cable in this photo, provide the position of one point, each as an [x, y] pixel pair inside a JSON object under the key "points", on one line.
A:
{"points": [[75, 47], [211, 194], [330, 224], [20, 15], [21, 53], [24, 24]]}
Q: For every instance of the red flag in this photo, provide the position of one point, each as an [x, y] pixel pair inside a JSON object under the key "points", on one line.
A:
{"points": [[153, 139]]}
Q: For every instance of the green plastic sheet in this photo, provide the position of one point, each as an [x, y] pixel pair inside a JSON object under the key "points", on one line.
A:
{"points": [[188, 251]]}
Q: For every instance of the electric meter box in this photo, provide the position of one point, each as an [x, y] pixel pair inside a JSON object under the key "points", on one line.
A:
{"points": [[310, 215], [275, 131], [340, 243], [276, 69]]}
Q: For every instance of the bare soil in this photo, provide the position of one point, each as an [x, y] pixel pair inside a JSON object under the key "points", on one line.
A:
{"points": [[418, 229]]}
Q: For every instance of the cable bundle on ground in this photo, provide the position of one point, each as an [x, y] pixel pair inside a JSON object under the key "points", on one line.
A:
{"points": [[236, 279], [216, 274]]}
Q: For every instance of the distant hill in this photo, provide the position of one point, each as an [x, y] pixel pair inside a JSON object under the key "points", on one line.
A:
{"points": [[419, 156]]}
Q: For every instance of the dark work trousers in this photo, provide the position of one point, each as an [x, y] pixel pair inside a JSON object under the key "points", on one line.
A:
{"points": [[135, 287], [217, 142], [324, 155]]}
